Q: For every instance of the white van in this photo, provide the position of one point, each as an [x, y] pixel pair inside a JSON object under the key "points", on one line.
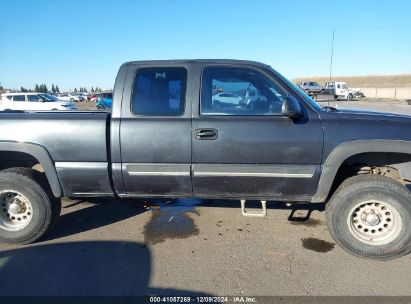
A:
{"points": [[34, 102]]}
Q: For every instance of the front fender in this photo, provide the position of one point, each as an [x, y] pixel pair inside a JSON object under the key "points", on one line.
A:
{"points": [[348, 149]]}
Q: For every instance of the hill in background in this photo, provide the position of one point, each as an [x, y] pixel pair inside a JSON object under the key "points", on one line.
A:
{"points": [[372, 81]]}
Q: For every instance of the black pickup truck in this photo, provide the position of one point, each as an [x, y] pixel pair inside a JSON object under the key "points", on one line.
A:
{"points": [[220, 129]]}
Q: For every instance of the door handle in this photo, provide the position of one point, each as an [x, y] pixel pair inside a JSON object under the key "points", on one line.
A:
{"points": [[206, 134]]}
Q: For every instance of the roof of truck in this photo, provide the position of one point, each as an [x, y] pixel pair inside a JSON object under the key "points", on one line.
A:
{"points": [[209, 61]]}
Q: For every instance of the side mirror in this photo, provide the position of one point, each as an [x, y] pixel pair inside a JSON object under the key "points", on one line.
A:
{"points": [[291, 108]]}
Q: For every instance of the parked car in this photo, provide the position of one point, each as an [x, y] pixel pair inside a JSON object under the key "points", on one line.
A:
{"points": [[33, 102], [222, 99], [92, 97], [84, 96], [104, 101], [310, 86], [297, 151], [70, 97]]}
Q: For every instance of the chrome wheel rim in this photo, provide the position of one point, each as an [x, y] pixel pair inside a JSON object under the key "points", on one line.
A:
{"points": [[16, 210], [374, 222]]}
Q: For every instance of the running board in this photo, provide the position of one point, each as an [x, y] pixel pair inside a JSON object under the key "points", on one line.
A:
{"points": [[261, 213]]}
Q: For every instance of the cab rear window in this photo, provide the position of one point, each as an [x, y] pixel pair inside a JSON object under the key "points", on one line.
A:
{"points": [[159, 91]]}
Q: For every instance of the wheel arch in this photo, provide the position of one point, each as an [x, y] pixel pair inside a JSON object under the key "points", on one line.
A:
{"points": [[362, 149], [33, 152]]}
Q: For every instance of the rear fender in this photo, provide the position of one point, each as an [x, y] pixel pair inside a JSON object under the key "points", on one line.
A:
{"points": [[41, 154]]}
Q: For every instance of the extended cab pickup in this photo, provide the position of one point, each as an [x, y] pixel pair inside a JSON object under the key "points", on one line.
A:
{"points": [[167, 137]]}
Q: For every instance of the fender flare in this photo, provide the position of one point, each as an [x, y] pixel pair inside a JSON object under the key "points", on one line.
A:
{"points": [[348, 149], [44, 158]]}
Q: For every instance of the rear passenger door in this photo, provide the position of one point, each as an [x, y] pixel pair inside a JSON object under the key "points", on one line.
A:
{"points": [[244, 147], [155, 131]]}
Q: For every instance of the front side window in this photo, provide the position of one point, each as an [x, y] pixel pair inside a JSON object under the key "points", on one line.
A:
{"points": [[19, 98], [239, 91], [159, 92]]}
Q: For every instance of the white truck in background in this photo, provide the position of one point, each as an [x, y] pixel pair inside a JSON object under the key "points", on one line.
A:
{"points": [[340, 90]]}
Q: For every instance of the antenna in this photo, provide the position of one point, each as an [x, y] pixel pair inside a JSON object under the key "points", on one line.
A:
{"points": [[332, 53], [331, 58]]}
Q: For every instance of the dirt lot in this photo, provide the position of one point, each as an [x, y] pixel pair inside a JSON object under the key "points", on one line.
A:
{"points": [[375, 81], [115, 247]]}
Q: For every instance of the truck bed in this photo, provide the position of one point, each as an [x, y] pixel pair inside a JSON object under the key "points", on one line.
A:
{"points": [[75, 141]]}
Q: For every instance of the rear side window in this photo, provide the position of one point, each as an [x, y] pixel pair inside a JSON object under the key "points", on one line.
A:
{"points": [[19, 98], [159, 92]]}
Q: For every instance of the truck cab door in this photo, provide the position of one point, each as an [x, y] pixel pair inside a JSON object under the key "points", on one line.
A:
{"points": [[250, 151], [154, 131]]}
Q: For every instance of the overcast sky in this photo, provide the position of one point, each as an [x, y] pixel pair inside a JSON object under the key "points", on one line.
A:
{"points": [[83, 43]]}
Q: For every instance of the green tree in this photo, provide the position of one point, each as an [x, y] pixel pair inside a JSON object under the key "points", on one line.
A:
{"points": [[92, 89], [1, 87], [37, 88], [75, 90], [57, 89], [53, 89]]}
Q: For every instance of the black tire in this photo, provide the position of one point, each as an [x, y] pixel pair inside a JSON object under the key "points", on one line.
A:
{"points": [[100, 108], [45, 207], [354, 196], [349, 98]]}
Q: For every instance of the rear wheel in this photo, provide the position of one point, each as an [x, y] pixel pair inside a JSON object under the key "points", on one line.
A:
{"points": [[349, 97], [28, 208], [100, 107], [370, 216]]}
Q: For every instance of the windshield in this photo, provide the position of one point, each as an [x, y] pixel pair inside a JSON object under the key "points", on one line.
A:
{"points": [[47, 97]]}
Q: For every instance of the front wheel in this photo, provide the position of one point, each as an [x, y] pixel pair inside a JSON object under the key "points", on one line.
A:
{"points": [[28, 208], [370, 216], [100, 107], [349, 97]]}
